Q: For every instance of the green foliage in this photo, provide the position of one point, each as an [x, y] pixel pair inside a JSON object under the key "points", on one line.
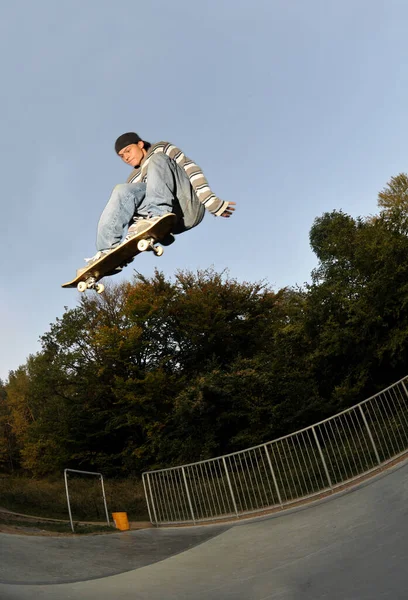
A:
{"points": [[38, 415], [228, 410], [8, 449], [395, 194], [357, 304]]}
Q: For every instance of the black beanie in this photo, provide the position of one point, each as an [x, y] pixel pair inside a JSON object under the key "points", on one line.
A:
{"points": [[125, 139]]}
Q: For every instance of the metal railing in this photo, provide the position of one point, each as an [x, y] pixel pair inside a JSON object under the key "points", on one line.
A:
{"points": [[313, 460]]}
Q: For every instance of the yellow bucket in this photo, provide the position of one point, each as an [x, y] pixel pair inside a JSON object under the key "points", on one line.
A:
{"points": [[121, 520]]}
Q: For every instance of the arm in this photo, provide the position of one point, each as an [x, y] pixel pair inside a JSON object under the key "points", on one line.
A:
{"points": [[199, 183]]}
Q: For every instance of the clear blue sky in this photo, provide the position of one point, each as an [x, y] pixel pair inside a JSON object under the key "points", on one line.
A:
{"points": [[292, 108]]}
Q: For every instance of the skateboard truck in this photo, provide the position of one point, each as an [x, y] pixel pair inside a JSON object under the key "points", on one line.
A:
{"points": [[90, 284], [148, 244]]}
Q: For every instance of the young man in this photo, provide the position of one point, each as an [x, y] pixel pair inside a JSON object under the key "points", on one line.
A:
{"points": [[163, 181]]}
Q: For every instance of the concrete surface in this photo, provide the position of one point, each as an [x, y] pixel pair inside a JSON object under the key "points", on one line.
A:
{"points": [[353, 546]]}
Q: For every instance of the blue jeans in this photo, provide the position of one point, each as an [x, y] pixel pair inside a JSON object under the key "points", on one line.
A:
{"points": [[168, 189]]}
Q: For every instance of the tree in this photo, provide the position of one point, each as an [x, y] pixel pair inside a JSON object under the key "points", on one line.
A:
{"points": [[38, 415], [395, 194], [356, 304], [124, 363], [8, 447]]}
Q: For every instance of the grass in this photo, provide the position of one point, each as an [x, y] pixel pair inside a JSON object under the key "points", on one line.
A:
{"points": [[37, 525], [47, 497]]}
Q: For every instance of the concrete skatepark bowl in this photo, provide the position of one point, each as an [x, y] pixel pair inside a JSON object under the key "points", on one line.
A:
{"points": [[350, 546]]}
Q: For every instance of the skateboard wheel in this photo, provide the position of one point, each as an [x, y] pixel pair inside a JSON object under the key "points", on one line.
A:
{"points": [[158, 250], [99, 288], [142, 245], [81, 287]]}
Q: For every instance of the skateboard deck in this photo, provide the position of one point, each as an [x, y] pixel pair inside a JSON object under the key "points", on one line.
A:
{"points": [[122, 255]]}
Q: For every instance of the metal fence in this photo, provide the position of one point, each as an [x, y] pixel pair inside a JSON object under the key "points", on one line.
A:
{"points": [[286, 470]]}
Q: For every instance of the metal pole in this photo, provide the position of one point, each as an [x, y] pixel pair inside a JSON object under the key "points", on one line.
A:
{"points": [[230, 488], [322, 457], [188, 495], [69, 504], [83, 472], [104, 501], [273, 475], [369, 434], [144, 477]]}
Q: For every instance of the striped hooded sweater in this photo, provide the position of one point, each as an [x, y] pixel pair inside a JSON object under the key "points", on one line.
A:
{"points": [[197, 179]]}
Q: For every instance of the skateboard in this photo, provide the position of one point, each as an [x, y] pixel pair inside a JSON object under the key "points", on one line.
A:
{"points": [[123, 255]]}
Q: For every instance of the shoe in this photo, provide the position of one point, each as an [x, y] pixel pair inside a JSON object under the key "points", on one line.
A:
{"points": [[140, 225], [92, 260]]}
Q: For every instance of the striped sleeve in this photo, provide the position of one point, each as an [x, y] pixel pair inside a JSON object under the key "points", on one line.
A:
{"points": [[197, 178]]}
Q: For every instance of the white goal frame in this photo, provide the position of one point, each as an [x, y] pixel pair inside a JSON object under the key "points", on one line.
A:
{"points": [[66, 471]]}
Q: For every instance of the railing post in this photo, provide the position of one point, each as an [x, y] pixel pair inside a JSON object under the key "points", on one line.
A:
{"points": [[104, 501], [188, 495], [230, 487], [153, 503], [68, 500], [322, 458], [369, 434], [144, 477], [273, 475]]}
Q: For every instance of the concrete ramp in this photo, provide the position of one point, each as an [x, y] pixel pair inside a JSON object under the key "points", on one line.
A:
{"points": [[353, 546]]}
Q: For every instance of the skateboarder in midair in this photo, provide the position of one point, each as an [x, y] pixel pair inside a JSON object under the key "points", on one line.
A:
{"points": [[163, 181]]}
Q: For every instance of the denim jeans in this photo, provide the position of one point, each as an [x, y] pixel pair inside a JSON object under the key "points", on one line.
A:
{"points": [[168, 189]]}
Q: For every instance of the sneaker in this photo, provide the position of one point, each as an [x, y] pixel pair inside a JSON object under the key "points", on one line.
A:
{"points": [[140, 225], [92, 260]]}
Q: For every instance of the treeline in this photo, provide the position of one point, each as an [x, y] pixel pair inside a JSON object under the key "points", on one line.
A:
{"points": [[162, 371]]}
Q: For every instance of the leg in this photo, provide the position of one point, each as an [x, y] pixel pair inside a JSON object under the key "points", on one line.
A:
{"points": [[168, 189], [123, 204]]}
